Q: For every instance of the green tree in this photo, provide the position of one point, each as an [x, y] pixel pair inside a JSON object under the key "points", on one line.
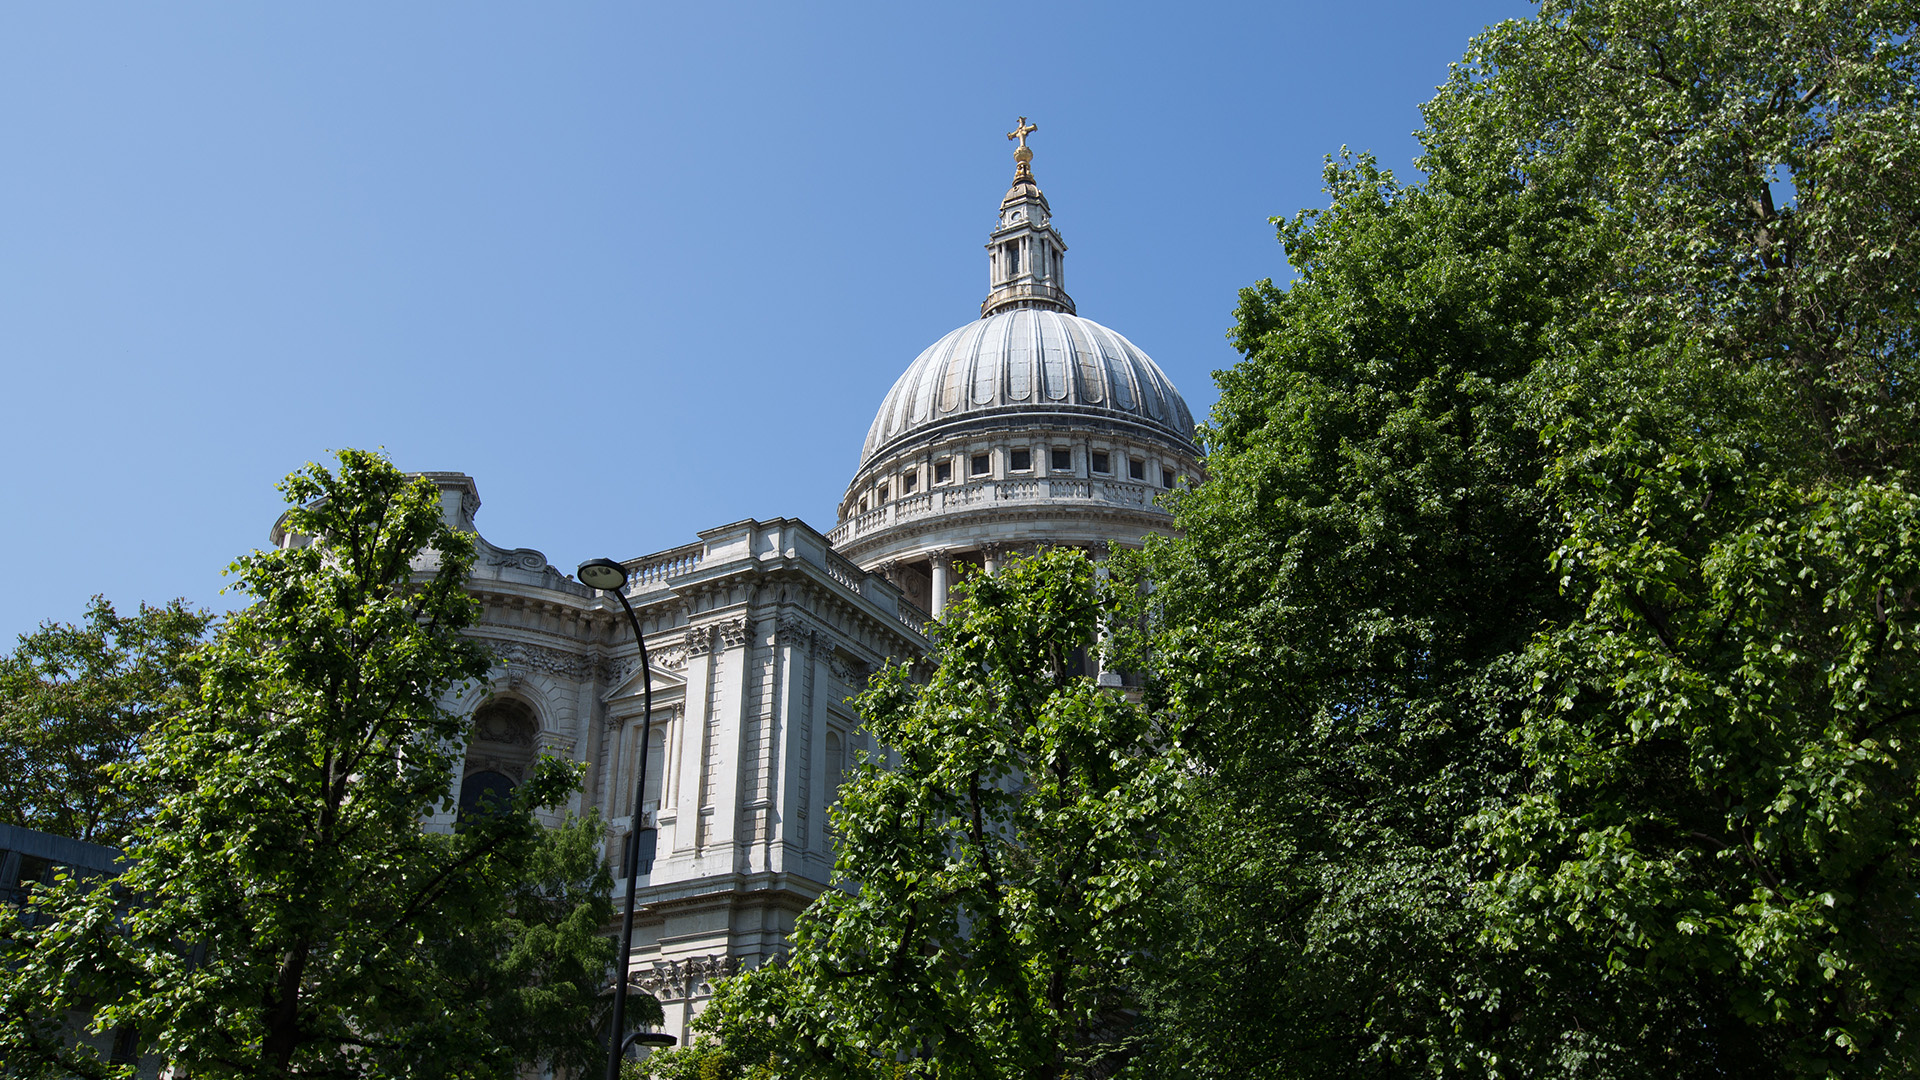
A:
{"points": [[1721, 740], [287, 912], [1544, 627], [996, 861], [77, 699], [1337, 629]]}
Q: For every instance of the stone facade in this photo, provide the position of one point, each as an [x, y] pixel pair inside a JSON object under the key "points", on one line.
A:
{"points": [[757, 635]]}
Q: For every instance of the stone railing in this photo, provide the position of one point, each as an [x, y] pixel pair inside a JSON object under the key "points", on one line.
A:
{"points": [[1009, 493], [844, 572], [1026, 290], [653, 569], [911, 614]]}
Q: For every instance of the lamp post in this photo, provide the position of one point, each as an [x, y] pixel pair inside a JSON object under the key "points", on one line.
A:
{"points": [[609, 576]]}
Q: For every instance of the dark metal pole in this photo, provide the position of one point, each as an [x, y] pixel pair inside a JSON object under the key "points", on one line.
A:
{"points": [[616, 1039]]}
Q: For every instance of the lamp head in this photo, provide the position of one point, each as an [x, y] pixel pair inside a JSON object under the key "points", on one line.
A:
{"points": [[602, 574], [651, 1038]]}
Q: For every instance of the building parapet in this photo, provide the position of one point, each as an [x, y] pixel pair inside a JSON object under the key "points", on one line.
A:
{"points": [[1012, 494]]}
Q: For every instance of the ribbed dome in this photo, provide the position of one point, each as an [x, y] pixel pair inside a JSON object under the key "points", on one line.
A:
{"points": [[1029, 362]]}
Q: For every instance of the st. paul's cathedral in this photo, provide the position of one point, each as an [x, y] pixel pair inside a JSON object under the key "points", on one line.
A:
{"points": [[1028, 426]]}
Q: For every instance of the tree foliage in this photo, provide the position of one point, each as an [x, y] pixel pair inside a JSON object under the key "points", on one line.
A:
{"points": [[76, 700], [996, 863], [1545, 625], [287, 912]]}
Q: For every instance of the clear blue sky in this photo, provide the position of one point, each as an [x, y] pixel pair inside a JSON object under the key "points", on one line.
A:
{"points": [[233, 237]]}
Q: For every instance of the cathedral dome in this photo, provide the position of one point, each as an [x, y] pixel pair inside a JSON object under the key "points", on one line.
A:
{"points": [[1029, 364], [1030, 428]]}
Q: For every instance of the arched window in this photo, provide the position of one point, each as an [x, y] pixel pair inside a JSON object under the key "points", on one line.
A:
{"points": [[484, 792], [500, 749]]}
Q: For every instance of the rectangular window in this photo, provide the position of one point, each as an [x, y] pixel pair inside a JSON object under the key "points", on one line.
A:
{"points": [[1100, 461], [982, 465], [1062, 459], [911, 481], [942, 471], [1022, 460], [1166, 478], [1136, 469], [880, 495]]}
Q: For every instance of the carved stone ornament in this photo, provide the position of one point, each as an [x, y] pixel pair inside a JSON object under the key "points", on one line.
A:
{"points": [[491, 727], [674, 980], [734, 632], [795, 630], [671, 657], [521, 658], [520, 558], [845, 667], [699, 640]]}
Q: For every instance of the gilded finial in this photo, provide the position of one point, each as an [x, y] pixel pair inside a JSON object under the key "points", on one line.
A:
{"points": [[1023, 156]]}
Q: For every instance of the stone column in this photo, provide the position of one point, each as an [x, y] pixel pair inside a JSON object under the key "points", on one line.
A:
{"points": [[942, 567], [1098, 552], [990, 555]]}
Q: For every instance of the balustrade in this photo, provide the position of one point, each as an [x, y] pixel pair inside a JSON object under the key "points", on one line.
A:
{"points": [[667, 564]]}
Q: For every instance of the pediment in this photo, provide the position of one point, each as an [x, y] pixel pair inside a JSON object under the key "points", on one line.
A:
{"points": [[663, 680]]}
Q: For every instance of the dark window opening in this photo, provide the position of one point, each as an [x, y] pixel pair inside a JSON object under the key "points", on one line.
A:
{"points": [[1062, 459], [981, 465], [1136, 469], [1100, 461], [1022, 460], [909, 482], [1076, 667], [942, 472], [880, 495], [126, 1045], [1166, 478], [485, 792]]}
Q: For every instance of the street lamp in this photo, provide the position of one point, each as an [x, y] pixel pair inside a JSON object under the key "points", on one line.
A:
{"points": [[609, 576]]}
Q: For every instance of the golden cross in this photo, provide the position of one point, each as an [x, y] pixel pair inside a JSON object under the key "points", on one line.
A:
{"points": [[1025, 129]]}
